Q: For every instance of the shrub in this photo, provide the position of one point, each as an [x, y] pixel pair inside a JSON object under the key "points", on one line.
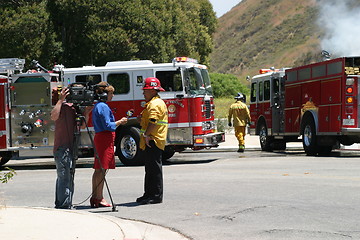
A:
{"points": [[5, 177], [227, 85]]}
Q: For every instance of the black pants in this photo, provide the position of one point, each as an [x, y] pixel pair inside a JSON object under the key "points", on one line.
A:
{"points": [[153, 172]]}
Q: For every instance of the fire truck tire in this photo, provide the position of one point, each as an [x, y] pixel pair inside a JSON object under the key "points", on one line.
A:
{"points": [[169, 151], [5, 157], [324, 150], [309, 137], [127, 147], [265, 140]]}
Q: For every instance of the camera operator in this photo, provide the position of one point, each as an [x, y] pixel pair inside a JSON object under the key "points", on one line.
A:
{"points": [[64, 115], [104, 126]]}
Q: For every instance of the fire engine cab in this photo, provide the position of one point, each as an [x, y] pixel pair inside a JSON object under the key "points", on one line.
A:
{"points": [[317, 101], [26, 102]]}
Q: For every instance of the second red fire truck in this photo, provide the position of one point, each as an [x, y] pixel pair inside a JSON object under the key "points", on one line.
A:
{"points": [[319, 102]]}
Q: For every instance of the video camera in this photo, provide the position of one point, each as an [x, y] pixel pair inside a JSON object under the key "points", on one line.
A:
{"points": [[84, 94]]}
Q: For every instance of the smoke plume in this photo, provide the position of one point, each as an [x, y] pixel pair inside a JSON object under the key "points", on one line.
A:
{"points": [[339, 19]]}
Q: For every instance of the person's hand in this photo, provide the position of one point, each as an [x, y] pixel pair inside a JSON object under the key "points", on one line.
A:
{"points": [[229, 124], [63, 94], [122, 121], [147, 140]]}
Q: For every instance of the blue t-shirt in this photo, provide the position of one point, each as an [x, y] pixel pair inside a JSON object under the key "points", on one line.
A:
{"points": [[103, 118]]}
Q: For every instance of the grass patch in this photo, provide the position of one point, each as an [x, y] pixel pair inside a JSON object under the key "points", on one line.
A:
{"points": [[222, 106]]}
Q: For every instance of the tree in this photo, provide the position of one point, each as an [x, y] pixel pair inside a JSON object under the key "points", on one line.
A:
{"points": [[227, 85], [26, 32], [94, 32], [78, 33]]}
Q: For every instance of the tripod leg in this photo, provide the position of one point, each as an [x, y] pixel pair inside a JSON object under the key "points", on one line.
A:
{"points": [[111, 200]]}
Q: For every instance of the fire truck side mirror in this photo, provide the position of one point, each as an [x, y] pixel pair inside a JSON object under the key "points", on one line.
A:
{"points": [[248, 78]]}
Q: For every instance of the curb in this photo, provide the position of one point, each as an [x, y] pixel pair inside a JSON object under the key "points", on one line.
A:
{"points": [[129, 231], [19, 223], [151, 231]]}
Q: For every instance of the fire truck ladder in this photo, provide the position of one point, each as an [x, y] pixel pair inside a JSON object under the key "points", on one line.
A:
{"points": [[9, 65]]}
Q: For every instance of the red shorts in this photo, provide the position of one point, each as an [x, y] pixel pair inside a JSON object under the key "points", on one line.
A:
{"points": [[104, 144]]}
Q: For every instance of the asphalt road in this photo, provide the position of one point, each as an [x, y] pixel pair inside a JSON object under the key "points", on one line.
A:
{"points": [[220, 195]]}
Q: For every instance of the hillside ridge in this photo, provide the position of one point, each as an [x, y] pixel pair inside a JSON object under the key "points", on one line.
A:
{"points": [[259, 34]]}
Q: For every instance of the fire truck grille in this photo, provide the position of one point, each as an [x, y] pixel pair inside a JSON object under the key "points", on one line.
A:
{"points": [[207, 109]]}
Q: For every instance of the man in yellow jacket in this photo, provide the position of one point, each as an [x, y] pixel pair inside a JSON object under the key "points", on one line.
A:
{"points": [[154, 126], [241, 115]]}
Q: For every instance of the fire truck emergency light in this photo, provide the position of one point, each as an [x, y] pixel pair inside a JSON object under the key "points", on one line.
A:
{"points": [[350, 81], [185, 59], [349, 90], [349, 100], [267, 70]]}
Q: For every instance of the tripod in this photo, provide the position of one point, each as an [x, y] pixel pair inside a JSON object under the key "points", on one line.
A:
{"points": [[80, 118]]}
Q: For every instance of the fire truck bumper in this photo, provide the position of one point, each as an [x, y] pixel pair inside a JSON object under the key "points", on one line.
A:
{"points": [[209, 140], [351, 131]]}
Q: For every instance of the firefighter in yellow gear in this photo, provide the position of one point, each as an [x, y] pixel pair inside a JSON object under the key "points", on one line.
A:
{"points": [[241, 115], [154, 126]]}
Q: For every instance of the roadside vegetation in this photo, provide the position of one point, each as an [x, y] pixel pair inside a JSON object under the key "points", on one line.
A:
{"points": [[79, 33], [6, 176]]}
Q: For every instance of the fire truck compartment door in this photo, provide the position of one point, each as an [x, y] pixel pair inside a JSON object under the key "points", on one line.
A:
{"points": [[277, 105], [31, 124], [31, 93]]}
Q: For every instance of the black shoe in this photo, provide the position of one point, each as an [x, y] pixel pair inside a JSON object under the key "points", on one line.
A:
{"points": [[66, 207], [150, 201], [140, 199]]}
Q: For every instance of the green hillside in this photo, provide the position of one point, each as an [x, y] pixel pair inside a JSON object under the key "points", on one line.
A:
{"points": [[264, 33]]}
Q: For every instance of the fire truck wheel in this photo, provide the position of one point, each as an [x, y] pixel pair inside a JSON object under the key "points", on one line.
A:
{"points": [[127, 147], [265, 140], [309, 137], [5, 157]]}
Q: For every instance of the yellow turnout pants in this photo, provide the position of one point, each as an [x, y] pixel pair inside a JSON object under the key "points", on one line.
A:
{"points": [[240, 135]]}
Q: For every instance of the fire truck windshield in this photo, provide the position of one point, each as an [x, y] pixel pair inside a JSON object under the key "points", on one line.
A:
{"points": [[197, 81]]}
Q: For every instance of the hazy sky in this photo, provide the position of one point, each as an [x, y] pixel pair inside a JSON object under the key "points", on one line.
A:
{"points": [[223, 6]]}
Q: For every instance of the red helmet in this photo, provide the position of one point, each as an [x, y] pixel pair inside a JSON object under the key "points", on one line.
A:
{"points": [[152, 83]]}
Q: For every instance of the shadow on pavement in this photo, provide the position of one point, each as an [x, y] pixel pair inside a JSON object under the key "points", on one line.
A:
{"points": [[128, 204], [182, 162]]}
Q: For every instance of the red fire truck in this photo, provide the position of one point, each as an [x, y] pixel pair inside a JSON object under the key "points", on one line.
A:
{"points": [[317, 101], [25, 106], [188, 97]]}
